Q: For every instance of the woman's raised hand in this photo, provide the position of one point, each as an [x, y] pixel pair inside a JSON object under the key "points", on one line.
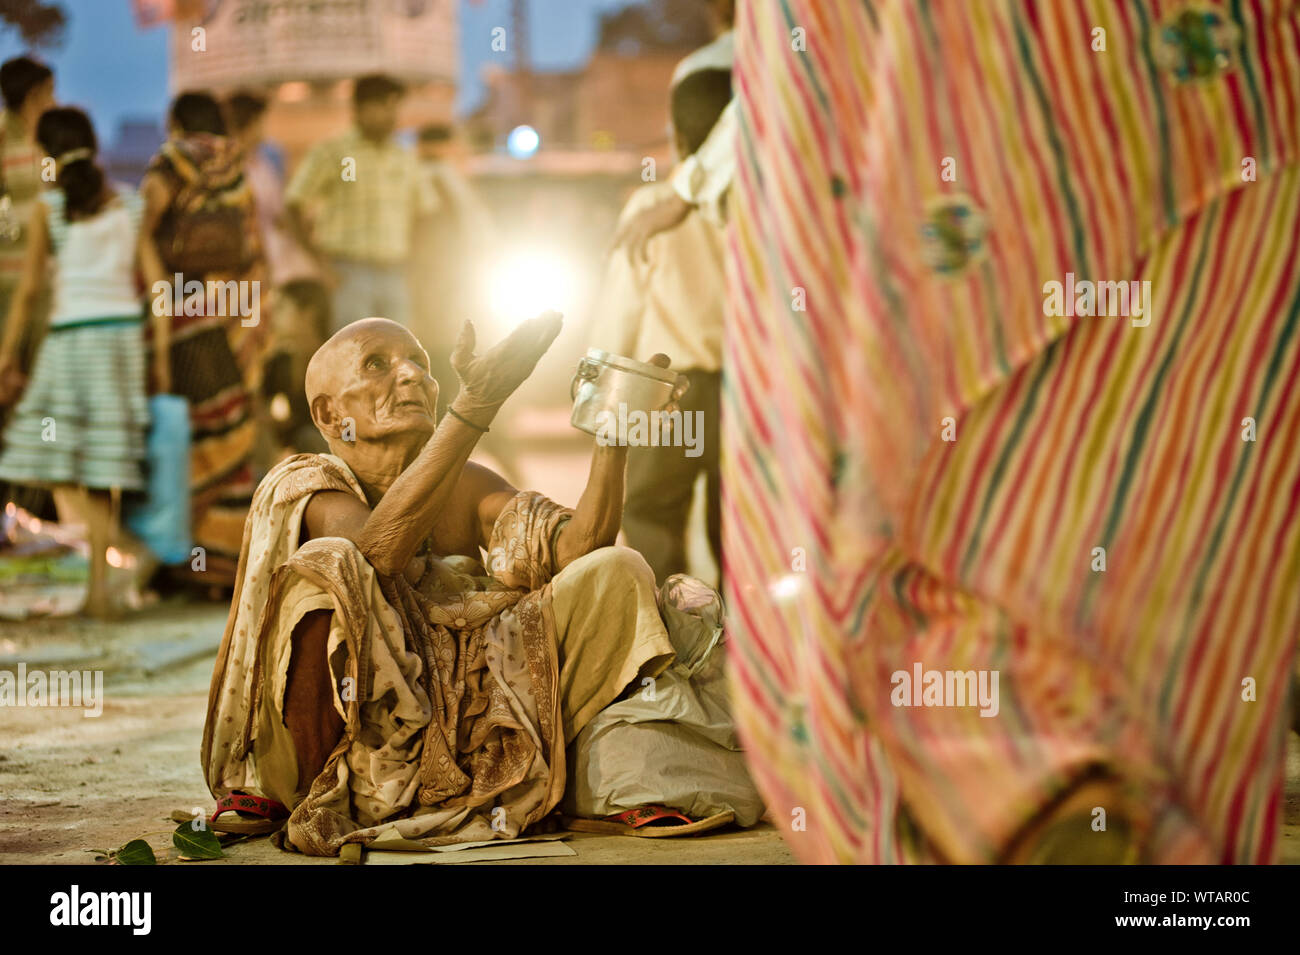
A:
{"points": [[488, 380]]}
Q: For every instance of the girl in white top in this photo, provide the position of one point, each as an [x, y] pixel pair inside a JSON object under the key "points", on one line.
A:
{"points": [[81, 424]]}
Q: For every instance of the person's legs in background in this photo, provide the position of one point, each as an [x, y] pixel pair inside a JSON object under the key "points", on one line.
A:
{"points": [[708, 388], [661, 482], [353, 297], [101, 513], [36, 500], [392, 294], [366, 291]]}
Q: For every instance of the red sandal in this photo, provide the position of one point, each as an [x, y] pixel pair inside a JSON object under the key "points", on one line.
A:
{"points": [[268, 815], [648, 822]]}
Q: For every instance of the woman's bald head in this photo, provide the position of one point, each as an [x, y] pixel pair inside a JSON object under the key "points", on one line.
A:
{"points": [[369, 386], [329, 366]]}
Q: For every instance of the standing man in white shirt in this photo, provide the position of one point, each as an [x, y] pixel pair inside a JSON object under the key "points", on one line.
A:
{"points": [[673, 301], [701, 181]]}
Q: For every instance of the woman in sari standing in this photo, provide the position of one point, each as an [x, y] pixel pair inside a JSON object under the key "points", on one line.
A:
{"points": [[199, 211]]}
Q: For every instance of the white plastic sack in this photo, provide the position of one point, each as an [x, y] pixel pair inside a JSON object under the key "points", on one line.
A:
{"points": [[672, 742]]}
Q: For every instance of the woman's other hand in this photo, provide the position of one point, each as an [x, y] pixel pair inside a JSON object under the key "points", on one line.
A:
{"points": [[683, 385]]}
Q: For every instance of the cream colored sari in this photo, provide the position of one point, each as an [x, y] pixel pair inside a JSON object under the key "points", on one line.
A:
{"points": [[456, 709]]}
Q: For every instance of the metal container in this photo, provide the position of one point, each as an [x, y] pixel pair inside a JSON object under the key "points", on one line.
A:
{"points": [[603, 382]]}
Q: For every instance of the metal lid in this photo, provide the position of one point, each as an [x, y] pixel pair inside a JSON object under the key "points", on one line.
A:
{"points": [[622, 363]]}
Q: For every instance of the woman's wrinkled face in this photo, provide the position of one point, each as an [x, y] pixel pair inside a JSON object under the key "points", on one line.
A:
{"points": [[384, 385]]}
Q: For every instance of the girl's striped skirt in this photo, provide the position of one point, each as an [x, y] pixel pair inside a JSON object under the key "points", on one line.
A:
{"points": [[83, 418]]}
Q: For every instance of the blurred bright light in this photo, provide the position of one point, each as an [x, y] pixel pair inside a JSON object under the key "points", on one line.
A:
{"points": [[785, 587], [528, 283], [522, 142], [280, 408]]}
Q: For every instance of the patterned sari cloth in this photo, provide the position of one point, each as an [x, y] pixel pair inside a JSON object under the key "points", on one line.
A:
{"points": [[216, 359], [459, 694], [932, 465]]}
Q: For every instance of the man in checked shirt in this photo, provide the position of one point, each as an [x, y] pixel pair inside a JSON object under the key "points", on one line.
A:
{"points": [[354, 203]]}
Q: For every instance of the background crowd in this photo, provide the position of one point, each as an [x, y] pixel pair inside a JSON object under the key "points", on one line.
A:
{"points": [[101, 313]]}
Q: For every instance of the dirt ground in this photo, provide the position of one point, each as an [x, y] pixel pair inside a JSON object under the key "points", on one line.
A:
{"points": [[71, 784]]}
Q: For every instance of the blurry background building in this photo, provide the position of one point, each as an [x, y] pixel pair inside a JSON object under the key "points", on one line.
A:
{"points": [[618, 101], [304, 55]]}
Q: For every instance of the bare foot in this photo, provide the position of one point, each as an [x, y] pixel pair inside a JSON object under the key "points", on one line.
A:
{"points": [[100, 607], [145, 566], [130, 585]]}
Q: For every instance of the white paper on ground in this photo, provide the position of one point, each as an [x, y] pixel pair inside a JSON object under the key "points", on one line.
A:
{"points": [[488, 853], [391, 842]]}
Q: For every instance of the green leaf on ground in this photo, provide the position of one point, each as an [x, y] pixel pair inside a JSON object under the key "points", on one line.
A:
{"points": [[196, 844], [135, 852]]}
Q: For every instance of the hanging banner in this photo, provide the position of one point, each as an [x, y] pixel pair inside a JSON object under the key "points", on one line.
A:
{"points": [[256, 42]]}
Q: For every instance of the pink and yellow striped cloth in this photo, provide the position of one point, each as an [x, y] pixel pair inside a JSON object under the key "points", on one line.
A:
{"points": [[924, 463]]}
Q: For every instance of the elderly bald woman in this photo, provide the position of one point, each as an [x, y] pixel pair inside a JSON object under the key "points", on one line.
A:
{"points": [[375, 677]]}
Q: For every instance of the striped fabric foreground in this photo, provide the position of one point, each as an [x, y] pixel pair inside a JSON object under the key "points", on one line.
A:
{"points": [[933, 463]]}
